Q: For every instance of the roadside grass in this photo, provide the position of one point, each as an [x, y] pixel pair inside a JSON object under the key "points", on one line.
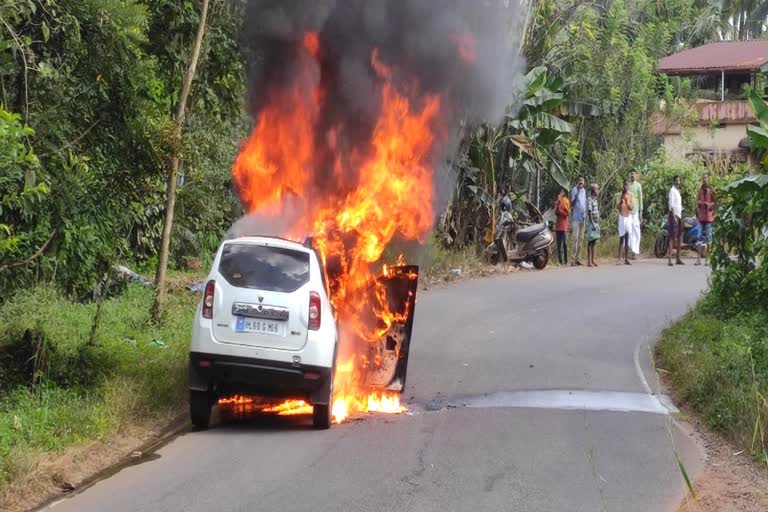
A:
{"points": [[607, 248], [65, 383], [720, 369]]}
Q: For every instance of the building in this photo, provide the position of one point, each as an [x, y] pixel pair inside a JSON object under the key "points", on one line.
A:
{"points": [[715, 125]]}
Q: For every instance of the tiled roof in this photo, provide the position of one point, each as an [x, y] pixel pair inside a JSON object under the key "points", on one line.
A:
{"points": [[728, 56]]}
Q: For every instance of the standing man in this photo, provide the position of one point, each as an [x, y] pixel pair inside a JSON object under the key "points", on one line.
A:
{"points": [[636, 191], [706, 213], [578, 216], [674, 220]]}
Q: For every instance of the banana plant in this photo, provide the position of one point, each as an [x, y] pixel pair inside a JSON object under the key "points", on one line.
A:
{"points": [[758, 134], [536, 129]]}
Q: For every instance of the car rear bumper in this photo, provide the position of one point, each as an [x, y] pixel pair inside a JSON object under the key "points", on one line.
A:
{"points": [[229, 375]]}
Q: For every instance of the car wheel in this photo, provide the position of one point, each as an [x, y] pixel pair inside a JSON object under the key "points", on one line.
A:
{"points": [[200, 405], [321, 416]]}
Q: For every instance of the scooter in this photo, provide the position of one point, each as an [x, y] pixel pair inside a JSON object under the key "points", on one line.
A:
{"points": [[531, 243], [691, 229]]}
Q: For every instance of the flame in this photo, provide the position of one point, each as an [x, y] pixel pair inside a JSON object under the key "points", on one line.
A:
{"points": [[235, 400], [312, 43], [352, 198], [290, 408]]}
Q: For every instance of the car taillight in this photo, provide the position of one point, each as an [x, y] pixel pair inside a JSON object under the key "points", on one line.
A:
{"points": [[314, 311], [208, 299]]}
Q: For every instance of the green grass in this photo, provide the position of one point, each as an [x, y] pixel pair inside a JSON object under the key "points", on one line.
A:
{"points": [[61, 387], [720, 369]]}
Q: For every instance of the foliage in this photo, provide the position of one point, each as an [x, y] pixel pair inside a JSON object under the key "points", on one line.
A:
{"points": [[656, 178], [85, 388], [719, 367], [740, 255], [98, 81], [758, 134], [22, 185], [535, 129], [510, 157]]}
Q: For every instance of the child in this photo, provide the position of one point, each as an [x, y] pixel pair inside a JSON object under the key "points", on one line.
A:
{"points": [[624, 205], [562, 212], [593, 224]]}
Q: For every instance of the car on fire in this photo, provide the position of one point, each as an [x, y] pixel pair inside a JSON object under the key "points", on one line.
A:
{"points": [[265, 326]]}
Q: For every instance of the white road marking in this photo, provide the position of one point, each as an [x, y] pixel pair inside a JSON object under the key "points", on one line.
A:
{"points": [[618, 401]]}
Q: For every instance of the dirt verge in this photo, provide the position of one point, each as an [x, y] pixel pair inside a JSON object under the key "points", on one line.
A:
{"points": [[52, 478], [730, 481]]}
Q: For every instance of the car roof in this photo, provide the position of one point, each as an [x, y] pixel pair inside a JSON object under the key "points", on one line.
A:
{"points": [[270, 241]]}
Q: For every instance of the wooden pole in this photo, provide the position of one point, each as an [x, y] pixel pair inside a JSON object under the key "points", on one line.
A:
{"points": [[170, 202]]}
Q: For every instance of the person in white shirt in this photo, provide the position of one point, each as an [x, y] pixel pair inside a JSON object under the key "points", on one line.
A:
{"points": [[674, 221]]}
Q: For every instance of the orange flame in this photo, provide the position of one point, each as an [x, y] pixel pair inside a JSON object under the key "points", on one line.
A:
{"points": [[391, 194], [312, 43], [290, 408]]}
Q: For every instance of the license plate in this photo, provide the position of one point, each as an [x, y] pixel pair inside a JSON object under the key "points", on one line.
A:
{"points": [[260, 326]]}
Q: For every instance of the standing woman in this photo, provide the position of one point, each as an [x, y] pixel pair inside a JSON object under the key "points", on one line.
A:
{"points": [[624, 205], [562, 212], [593, 224]]}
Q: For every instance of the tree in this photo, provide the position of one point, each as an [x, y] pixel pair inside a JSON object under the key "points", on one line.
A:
{"points": [[181, 110]]}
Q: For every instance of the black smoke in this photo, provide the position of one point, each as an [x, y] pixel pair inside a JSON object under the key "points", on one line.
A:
{"points": [[419, 39]]}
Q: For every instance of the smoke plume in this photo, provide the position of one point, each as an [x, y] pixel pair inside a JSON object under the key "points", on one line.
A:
{"points": [[463, 51]]}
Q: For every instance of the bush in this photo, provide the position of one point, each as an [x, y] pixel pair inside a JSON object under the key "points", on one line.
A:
{"points": [[656, 179], [740, 252]]}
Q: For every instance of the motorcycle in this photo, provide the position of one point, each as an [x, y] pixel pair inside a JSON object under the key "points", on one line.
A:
{"points": [[691, 230], [528, 244]]}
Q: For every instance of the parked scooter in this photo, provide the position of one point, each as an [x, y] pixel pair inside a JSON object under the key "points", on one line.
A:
{"points": [[527, 244], [691, 230]]}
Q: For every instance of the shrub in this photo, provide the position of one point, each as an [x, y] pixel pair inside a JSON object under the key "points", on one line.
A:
{"points": [[740, 253], [656, 179]]}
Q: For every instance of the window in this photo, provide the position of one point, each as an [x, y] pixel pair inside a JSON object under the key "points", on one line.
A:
{"points": [[265, 268]]}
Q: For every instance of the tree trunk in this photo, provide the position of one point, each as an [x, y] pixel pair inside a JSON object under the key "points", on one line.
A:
{"points": [[170, 201]]}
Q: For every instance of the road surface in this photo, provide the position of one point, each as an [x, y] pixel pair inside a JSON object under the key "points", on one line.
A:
{"points": [[527, 392]]}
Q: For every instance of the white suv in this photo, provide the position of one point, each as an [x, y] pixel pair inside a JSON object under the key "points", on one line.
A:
{"points": [[265, 326]]}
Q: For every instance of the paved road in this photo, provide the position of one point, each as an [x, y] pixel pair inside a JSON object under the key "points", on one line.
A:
{"points": [[527, 394]]}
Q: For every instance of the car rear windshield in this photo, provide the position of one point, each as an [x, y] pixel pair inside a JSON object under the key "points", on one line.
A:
{"points": [[265, 268]]}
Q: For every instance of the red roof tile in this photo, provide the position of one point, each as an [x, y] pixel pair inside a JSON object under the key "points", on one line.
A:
{"points": [[728, 56]]}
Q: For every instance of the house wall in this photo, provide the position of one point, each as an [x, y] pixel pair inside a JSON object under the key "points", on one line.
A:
{"points": [[702, 138]]}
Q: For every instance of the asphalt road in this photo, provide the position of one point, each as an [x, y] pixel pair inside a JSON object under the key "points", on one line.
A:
{"points": [[528, 392]]}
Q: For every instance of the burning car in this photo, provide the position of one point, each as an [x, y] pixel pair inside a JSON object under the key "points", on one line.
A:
{"points": [[266, 326]]}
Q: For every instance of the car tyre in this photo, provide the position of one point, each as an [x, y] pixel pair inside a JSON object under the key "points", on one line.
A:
{"points": [[200, 405], [321, 416]]}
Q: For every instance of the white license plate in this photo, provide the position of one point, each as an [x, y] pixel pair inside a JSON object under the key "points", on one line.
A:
{"points": [[259, 326]]}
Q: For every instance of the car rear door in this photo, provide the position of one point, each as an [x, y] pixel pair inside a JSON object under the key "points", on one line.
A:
{"points": [[264, 295]]}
